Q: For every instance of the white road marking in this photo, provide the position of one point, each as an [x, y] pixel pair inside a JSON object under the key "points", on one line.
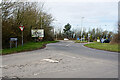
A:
{"points": [[67, 44], [68, 56]]}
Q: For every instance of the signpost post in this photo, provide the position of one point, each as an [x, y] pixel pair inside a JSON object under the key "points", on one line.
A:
{"points": [[22, 28]]}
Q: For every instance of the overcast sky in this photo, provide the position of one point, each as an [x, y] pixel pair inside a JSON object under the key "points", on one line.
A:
{"points": [[96, 13]]}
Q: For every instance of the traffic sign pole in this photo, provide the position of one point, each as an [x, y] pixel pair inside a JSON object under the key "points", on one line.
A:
{"points": [[22, 28], [22, 38]]}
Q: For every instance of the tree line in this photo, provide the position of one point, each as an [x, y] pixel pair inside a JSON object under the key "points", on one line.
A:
{"points": [[29, 14], [93, 34]]}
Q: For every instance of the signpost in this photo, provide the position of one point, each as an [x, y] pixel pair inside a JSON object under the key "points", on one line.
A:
{"points": [[22, 28], [12, 40], [37, 33]]}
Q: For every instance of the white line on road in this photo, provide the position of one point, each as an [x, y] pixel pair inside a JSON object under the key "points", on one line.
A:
{"points": [[68, 56], [69, 44]]}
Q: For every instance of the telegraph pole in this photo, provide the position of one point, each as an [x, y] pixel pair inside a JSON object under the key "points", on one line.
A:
{"points": [[41, 21]]}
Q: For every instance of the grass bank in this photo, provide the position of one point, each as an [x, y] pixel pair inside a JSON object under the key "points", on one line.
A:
{"points": [[27, 47], [78, 41], [104, 46]]}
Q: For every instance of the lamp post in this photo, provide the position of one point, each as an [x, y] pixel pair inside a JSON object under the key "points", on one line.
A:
{"points": [[82, 26]]}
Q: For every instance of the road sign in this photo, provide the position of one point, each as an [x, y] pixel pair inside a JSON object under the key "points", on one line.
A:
{"points": [[11, 40], [37, 32], [78, 38], [21, 28]]}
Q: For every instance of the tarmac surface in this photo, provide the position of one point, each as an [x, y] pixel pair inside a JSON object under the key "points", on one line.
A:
{"points": [[64, 59]]}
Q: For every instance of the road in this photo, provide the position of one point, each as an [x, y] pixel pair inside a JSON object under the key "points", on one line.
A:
{"points": [[64, 59]]}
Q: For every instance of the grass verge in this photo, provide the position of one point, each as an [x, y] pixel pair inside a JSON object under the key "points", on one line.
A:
{"points": [[78, 41], [27, 47], [104, 46]]}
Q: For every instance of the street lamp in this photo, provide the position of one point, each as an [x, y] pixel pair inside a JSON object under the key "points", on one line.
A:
{"points": [[82, 26]]}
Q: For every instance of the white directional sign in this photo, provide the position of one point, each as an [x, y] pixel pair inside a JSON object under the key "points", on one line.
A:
{"points": [[13, 39], [37, 32]]}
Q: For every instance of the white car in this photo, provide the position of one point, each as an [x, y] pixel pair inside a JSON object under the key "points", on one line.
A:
{"points": [[66, 39], [98, 40]]}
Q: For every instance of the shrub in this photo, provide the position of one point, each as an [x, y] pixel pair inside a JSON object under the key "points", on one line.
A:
{"points": [[115, 39]]}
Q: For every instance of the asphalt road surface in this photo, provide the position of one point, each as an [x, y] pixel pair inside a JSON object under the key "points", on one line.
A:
{"points": [[64, 59]]}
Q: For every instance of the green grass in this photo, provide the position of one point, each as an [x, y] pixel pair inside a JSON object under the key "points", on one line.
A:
{"points": [[78, 41], [0, 51], [104, 46], [27, 47], [94, 41]]}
